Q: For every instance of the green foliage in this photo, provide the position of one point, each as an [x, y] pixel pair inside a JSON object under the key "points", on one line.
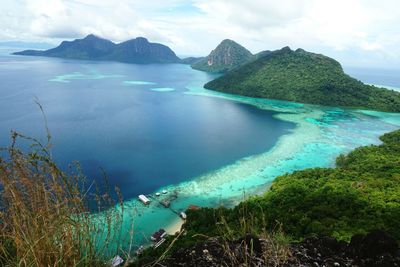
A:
{"points": [[304, 77], [361, 194]]}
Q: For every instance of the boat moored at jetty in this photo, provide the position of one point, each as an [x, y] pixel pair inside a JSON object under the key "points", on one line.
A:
{"points": [[144, 199], [160, 234], [183, 215]]}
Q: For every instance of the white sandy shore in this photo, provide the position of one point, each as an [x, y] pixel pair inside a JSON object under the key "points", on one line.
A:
{"points": [[174, 227]]}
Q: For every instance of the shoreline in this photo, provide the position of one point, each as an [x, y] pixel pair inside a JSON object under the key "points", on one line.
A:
{"points": [[174, 227], [318, 131]]}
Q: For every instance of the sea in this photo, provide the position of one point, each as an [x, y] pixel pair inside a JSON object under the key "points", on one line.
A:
{"points": [[154, 127]]}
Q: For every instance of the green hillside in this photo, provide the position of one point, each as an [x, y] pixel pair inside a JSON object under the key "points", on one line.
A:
{"points": [[304, 77], [361, 194]]}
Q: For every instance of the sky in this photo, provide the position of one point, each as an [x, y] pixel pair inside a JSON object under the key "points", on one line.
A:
{"points": [[364, 33]]}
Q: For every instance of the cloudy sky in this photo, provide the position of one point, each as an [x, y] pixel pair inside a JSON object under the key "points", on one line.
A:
{"points": [[355, 32]]}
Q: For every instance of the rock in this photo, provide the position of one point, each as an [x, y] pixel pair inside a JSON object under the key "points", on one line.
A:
{"points": [[378, 242], [377, 249], [252, 243]]}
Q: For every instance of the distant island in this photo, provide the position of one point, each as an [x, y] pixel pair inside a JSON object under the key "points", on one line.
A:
{"points": [[284, 74], [305, 77], [227, 56], [138, 50]]}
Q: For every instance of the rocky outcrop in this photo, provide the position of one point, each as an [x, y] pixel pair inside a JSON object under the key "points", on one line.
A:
{"points": [[226, 56], [375, 249]]}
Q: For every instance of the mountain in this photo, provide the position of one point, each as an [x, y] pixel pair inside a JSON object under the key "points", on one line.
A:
{"points": [[305, 77], [226, 56], [138, 50]]}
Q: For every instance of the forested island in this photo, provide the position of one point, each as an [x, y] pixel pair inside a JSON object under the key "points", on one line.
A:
{"points": [[304, 77]]}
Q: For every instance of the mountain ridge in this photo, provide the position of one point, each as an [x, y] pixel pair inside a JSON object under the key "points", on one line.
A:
{"points": [[92, 47]]}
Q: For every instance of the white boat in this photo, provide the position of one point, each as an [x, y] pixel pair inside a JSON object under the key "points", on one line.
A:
{"points": [[144, 199], [158, 235], [139, 251], [158, 194], [164, 191], [183, 215], [116, 261]]}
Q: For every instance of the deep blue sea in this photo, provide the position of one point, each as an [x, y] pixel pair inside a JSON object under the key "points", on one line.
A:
{"points": [[154, 127], [134, 121]]}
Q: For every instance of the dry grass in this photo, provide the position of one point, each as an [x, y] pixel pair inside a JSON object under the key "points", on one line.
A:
{"points": [[275, 244], [44, 214]]}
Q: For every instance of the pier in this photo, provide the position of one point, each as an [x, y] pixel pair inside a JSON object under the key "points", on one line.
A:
{"points": [[166, 202]]}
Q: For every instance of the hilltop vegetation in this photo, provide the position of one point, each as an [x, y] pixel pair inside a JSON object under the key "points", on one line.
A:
{"points": [[304, 77], [361, 194]]}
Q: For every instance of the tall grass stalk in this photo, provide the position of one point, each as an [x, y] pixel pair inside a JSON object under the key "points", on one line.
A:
{"points": [[45, 215], [275, 244]]}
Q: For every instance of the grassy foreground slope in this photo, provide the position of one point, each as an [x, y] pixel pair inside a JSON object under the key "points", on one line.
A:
{"points": [[304, 77], [361, 194]]}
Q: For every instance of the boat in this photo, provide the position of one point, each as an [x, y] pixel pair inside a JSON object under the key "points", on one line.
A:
{"points": [[139, 251], [159, 243], [183, 215], [164, 191], [144, 199], [116, 261], [194, 207], [160, 234], [158, 194]]}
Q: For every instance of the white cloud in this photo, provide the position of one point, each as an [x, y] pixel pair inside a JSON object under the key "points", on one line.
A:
{"points": [[335, 27], [330, 26]]}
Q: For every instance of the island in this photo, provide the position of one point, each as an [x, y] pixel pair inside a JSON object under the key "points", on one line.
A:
{"points": [[305, 77], [92, 47]]}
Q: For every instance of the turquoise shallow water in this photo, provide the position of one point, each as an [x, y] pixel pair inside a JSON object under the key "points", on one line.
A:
{"points": [[320, 135]]}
